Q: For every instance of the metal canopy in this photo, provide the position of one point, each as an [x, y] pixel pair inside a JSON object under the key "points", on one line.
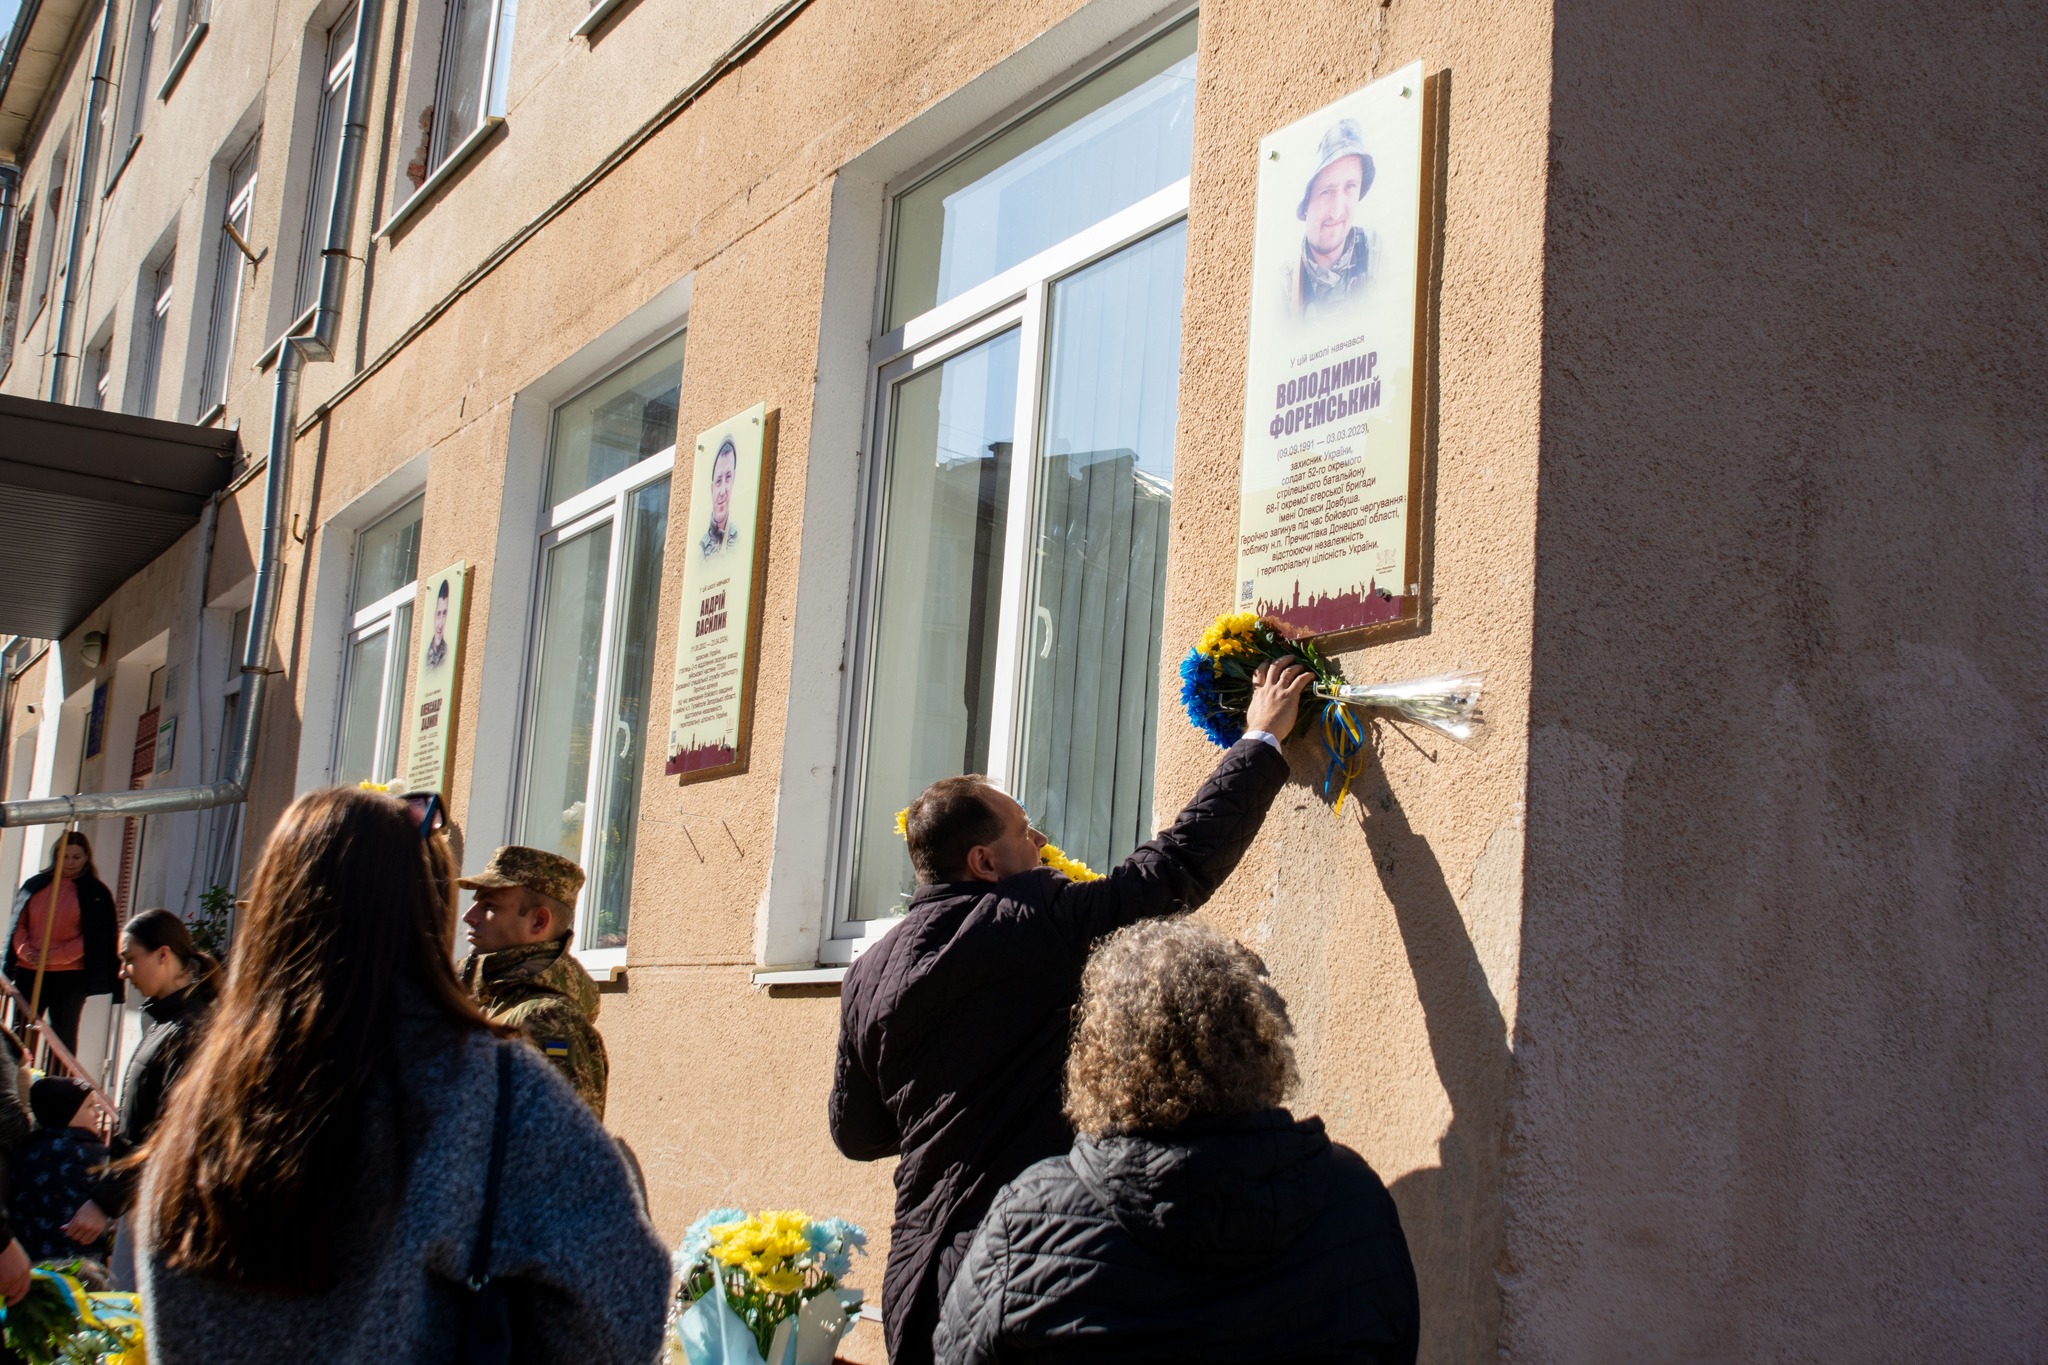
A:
{"points": [[88, 499]]}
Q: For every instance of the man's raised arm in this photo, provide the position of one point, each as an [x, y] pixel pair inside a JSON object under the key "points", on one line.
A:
{"points": [[1181, 866]]}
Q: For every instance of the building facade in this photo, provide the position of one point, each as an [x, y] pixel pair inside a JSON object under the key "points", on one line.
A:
{"points": [[1680, 1017]]}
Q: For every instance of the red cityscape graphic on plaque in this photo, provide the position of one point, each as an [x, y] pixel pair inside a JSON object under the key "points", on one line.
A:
{"points": [[700, 756], [1326, 613]]}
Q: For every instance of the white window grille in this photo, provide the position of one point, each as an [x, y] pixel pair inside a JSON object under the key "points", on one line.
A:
{"points": [[590, 699], [1013, 575]]}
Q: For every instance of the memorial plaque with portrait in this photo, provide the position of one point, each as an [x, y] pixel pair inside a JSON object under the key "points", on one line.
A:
{"points": [[709, 705], [1328, 528]]}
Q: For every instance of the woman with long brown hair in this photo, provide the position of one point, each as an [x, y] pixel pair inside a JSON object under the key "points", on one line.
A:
{"points": [[355, 1147]]}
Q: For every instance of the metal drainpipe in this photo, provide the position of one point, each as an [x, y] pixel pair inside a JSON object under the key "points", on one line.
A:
{"points": [[81, 193], [284, 411]]}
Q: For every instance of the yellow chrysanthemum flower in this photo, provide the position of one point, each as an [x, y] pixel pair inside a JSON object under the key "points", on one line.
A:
{"points": [[1073, 869], [903, 823], [1229, 634], [781, 1281]]}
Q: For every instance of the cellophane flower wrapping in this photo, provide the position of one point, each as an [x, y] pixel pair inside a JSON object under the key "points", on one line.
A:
{"points": [[1447, 703], [740, 1278]]}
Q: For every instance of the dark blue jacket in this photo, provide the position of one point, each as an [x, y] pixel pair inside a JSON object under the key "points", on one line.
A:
{"points": [[54, 1174]]}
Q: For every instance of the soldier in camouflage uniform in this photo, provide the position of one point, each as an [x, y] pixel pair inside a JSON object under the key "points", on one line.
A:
{"points": [[520, 969]]}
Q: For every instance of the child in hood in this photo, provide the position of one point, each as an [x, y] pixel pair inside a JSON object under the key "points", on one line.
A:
{"points": [[55, 1172]]}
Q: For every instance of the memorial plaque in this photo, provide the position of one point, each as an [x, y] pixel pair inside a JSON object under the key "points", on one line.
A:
{"points": [[1328, 527], [723, 545], [438, 681]]}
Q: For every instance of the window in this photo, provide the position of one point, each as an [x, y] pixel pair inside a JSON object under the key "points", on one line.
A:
{"points": [[17, 271], [98, 376], [476, 58], [53, 210], [379, 648], [224, 839], [156, 313], [590, 694], [149, 19], [227, 280], [1014, 579], [340, 63]]}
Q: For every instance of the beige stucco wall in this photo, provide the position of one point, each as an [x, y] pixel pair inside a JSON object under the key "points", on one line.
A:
{"points": [[1781, 1086], [720, 1086], [1732, 551]]}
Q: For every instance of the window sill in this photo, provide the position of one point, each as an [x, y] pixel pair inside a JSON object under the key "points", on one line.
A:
{"points": [[442, 174], [211, 415], [300, 326], [603, 964], [181, 61], [800, 976], [121, 165], [600, 14]]}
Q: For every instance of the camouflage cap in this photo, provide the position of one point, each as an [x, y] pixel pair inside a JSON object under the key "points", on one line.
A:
{"points": [[536, 869]]}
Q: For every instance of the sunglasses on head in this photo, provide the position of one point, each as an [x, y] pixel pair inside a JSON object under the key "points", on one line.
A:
{"points": [[427, 809]]}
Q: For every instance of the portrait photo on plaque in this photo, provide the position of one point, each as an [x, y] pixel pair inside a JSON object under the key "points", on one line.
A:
{"points": [[1325, 539]]}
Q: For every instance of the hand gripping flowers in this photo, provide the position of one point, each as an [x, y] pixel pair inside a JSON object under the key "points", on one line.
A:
{"points": [[1216, 689], [740, 1279]]}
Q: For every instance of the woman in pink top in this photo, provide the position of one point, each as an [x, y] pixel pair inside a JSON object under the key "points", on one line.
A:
{"points": [[81, 957]]}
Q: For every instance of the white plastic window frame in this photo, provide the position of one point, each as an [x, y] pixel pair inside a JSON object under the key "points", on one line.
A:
{"points": [[565, 521], [338, 65], [229, 269], [374, 619], [1018, 298], [134, 96], [155, 325], [801, 935]]}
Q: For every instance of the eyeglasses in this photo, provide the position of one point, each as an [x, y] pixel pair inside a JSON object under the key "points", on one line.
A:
{"points": [[428, 809]]}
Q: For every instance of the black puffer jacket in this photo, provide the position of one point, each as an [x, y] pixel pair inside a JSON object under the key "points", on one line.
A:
{"points": [[176, 1024], [1253, 1238], [96, 925], [953, 1029]]}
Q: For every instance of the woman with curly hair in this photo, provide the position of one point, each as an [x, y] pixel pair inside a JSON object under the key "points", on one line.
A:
{"points": [[1195, 1219]]}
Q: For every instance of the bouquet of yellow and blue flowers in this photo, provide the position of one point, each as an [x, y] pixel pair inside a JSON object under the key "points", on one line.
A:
{"points": [[763, 1288], [1216, 690], [62, 1322]]}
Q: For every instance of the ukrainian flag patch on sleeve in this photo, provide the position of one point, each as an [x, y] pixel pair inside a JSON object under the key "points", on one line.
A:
{"points": [[555, 1048]]}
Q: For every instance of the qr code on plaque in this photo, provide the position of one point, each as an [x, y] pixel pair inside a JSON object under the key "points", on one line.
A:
{"points": [[1244, 592]]}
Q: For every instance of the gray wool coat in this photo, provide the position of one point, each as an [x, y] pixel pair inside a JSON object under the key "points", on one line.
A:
{"points": [[591, 1277]]}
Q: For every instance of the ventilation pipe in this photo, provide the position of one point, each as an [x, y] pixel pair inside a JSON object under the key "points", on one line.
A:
{"points": [[318, 344]]}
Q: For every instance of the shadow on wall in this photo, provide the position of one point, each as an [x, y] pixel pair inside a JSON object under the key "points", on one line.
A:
{"points": [[1451, 1212]]}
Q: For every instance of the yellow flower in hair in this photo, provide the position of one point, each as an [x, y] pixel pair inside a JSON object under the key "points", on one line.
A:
{"points": [[903, 823], [384, 787]]}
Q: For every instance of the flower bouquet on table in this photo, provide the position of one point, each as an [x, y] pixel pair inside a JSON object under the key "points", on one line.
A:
{"points": [[763, 1290], [62, 1322], [1216, 690]]}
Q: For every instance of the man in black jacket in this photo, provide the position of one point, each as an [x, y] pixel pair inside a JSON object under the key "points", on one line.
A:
{"points": [[953, 1029]]}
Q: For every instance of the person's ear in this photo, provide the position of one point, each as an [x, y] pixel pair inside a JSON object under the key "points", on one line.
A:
{"points": [[981, 864]]}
